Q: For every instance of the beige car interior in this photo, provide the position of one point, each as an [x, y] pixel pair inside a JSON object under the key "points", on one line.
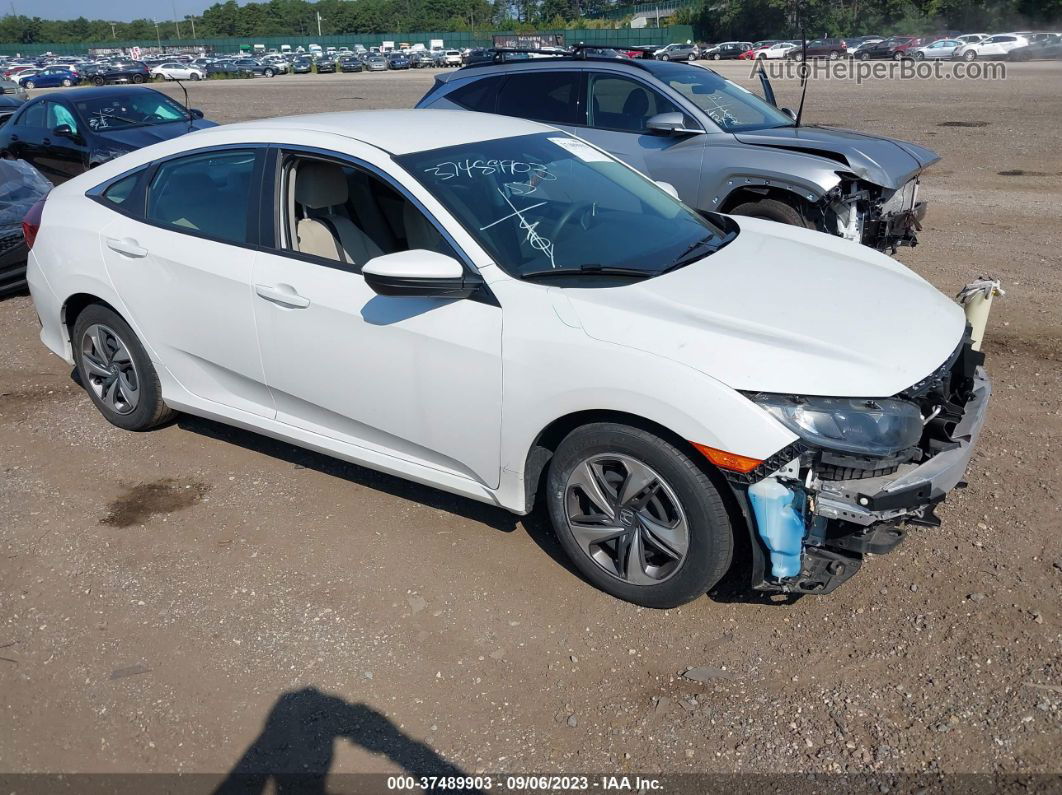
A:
{"points": [[345, 214]]}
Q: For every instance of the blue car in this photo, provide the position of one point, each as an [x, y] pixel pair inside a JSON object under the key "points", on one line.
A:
{"points": [[50, 78]]}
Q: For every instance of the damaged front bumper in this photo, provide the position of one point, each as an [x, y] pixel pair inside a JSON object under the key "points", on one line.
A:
{"points": [[843, 520]]}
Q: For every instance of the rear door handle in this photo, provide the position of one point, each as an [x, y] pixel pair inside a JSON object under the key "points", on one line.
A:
{"points": [[126, 246], [283, 294]]}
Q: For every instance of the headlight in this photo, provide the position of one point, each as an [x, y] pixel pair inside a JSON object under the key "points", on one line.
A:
{"points": [[854, 425]]}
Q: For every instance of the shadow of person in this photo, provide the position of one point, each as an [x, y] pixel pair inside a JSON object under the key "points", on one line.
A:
{"points": [[296, 746]]}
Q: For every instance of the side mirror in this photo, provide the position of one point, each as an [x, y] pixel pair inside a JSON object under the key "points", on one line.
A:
{"points": [[667, 188], [196, 113], [668, 124], [788, 112], [63, 131], [418, 273]]}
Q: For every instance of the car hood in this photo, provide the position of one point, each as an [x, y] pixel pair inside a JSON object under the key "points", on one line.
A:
{"points": [[786, 310], [882, 161], [138, 137]]}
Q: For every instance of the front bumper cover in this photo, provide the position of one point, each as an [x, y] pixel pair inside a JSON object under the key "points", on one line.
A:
{"points": [[848, 519]]}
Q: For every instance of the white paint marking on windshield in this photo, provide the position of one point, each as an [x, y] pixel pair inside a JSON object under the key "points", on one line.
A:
{"points": [[536, 240]]}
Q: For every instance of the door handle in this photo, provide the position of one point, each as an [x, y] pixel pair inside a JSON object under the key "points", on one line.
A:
{"points": [[47, 141], [126, 246], [14, 137], [283, 294]]}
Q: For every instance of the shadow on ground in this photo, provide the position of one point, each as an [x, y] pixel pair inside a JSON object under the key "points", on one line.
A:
{"points": [[295, 750]]}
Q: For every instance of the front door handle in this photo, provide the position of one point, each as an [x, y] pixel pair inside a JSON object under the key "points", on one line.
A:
{"points": [[282, 294], [126, 246]]}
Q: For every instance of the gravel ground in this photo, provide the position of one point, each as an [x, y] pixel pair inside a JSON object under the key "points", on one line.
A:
{"points": [[163, 594]]}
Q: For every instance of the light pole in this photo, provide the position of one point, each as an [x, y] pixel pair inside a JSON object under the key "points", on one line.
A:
{"points": [[176, 24], [113, 34], [158, 38], [318, 24], [191, 19]]}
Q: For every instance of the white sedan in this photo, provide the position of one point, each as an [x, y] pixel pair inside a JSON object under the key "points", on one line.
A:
{"points": [[992, 47], [175, 70], [500, 310], [775, 51], [938, 50]]}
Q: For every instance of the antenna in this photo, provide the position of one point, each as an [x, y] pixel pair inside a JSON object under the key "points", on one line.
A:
{"points": [[803, 72], [187, 109]]}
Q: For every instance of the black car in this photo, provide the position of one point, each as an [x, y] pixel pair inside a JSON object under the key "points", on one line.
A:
{"points": [[820, 48], [9, 103], [255, 67], [397, 60], [350, 63], [1042, 46], [135, 72], [325, 64], [65, 134], [728, 50], [227, 68], [21, 187]]}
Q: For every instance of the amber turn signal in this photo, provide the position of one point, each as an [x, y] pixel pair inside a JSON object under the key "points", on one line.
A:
{"points": [[725, 460]]}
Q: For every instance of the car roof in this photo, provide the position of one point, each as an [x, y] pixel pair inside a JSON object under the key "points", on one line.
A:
{"points": [[95, 92], [400, 132], [567, 62]]}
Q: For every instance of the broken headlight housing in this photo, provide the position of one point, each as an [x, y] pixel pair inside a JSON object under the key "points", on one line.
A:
{"points": [[865, 426]]}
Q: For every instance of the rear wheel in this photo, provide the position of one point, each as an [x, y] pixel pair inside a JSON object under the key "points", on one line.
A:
{"points": [[30, 84], [864, 56], [691, 57], [138, 78], [772, 210], [897, 56], [269, 73], [834, 55], [969, 55], [637, 516], [67, 82], [99, 81], [116, 372], [716, 57]]}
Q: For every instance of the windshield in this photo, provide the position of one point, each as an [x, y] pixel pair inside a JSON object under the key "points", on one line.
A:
{"points": [[733, 108], [547, 203], [124, 110]]}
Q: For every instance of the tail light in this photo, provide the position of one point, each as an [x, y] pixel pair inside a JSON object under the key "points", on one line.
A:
{"points": [[31, 224]]}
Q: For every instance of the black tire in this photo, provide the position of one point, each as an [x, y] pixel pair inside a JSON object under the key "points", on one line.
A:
{"points": [[710, 535], [864, 56], [772, 210], [30, 85], [716, 57], [269, 73], [691, 58], [150, 410], [67, 82], [99, 81], [969, 55], [195, 76], [138, 78]]}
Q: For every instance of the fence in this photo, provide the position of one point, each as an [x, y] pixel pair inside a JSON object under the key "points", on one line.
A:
{"points": [[604, 37]]}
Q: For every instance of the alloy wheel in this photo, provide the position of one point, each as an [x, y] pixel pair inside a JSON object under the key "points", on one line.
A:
{"points": [[112, 374], [626, 518]]}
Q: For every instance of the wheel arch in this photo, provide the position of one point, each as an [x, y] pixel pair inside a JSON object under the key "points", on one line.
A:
{"points": [[75, 304], [549, 438]]}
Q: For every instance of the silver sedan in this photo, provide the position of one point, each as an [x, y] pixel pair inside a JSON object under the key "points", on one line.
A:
{"points": [[942, 48]]}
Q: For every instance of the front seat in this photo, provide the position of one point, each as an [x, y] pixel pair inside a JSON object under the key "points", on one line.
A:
{"points": [[635, 108], [326, 230]]}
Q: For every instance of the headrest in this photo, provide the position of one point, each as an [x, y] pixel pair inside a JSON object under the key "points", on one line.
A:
{"points": [[320, 185]]}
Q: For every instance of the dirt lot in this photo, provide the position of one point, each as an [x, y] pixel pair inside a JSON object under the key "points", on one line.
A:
{"points": [[162, 594]]}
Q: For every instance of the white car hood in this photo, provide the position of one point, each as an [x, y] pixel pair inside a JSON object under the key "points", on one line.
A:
{"points": [[785, 310]]}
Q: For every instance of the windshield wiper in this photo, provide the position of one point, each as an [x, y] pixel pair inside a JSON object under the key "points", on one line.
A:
{"points": [[696, 250], [591, 269]]}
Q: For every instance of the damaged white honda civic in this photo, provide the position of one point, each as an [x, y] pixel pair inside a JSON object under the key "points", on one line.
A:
{"points": [[505, 312]]}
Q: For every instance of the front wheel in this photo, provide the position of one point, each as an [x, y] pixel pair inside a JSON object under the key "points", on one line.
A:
{"points": [[637, 516], [138, 78], [920, 56], [691, 58], [772, 210], [269, 73], [897, 56], [116, 372], [195, 76], [969, 56], [716, 57], [67, 82], [834, 55], [98, 81], [29, 84], [864, 56]]}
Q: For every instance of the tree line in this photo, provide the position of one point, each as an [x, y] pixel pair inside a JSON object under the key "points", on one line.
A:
{"points": [[712, 20]]}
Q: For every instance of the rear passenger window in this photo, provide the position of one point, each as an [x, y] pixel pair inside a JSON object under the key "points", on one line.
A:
{"points": [[543, 96], [207, 193], [33, 116], [481, 95], [122, 189]]}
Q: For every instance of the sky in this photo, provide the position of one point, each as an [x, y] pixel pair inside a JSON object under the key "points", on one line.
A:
{"points": [[111, 10]]}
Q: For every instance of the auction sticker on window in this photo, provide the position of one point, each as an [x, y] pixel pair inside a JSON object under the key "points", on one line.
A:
{"points": [[581, 150]]}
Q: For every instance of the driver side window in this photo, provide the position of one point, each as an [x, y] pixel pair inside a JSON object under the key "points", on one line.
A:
{"points": [[59, 114], [338, 212], [619, 103], [33, 116]]}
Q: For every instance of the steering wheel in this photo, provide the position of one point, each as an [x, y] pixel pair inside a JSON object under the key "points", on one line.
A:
{"points": [[568, 214]]}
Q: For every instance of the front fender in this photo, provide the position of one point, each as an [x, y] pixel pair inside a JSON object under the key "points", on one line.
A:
{"points": [[809, 178], [553, 369]]}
